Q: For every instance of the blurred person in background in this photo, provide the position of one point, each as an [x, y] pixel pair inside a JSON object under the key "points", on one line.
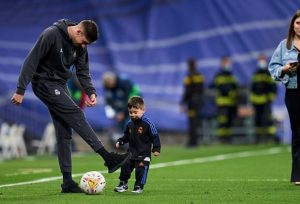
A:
{"points": [[226, 87], [284, 67], [191, 102], [76, 91], [262, 95], [47, 66], [117, 91]]}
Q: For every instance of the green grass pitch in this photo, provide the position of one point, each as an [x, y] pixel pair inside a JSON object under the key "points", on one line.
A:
{"points": [[208, 174]]}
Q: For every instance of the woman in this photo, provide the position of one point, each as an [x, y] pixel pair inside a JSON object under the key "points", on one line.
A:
{"points": [[284, 67]]}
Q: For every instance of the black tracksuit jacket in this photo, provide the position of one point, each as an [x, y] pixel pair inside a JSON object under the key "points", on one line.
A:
{"points": [[52, 57], [142, 137]]}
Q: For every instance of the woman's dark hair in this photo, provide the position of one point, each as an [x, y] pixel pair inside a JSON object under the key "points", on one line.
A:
{"points": [[291, 33]]}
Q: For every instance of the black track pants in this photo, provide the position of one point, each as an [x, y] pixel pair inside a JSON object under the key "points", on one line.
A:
{"points": [[66, 115]]}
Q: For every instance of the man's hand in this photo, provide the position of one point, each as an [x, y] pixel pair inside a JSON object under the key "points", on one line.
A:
{"points": [[117, 145], [17, 99], [120, 116], [156, 154], [91, 101]]}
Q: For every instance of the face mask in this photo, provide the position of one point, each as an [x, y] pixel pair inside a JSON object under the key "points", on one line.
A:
{"points": [[262, 64], [227, 67]]}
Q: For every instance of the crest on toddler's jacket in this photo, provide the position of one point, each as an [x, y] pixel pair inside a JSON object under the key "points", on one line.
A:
{"points": [[140, 130]]}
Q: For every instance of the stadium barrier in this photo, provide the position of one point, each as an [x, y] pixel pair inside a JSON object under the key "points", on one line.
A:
{"points": [[12, 142], [47, 145]]}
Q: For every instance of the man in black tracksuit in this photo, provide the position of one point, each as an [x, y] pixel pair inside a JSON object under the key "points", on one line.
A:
{"points": [[47, 67], [143, 138]]}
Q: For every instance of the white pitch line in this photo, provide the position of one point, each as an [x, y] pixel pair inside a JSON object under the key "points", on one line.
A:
{"points": [[226, 180], [221, 157]]}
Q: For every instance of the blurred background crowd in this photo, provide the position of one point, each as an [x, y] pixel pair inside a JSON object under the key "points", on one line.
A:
{"points": [[201, 66]]}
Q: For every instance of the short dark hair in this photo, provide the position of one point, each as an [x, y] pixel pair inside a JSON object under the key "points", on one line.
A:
{"points": [[90, 30], [136, 102]]}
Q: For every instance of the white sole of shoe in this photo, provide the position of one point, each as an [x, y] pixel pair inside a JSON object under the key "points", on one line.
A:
{"points": [[120, 191], [136, 192], [297, 183]]}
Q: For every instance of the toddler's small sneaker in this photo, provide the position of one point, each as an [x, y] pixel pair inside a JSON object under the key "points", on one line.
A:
{"points": [[137, 190], [122, 187]]}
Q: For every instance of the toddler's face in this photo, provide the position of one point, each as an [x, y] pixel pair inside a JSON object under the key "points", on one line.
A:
{"points": [[136, 113]]}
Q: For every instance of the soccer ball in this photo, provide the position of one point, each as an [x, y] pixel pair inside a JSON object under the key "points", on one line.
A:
{"points": [[92, 182]]}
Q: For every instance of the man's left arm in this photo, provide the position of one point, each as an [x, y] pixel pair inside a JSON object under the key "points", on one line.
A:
{"points": [[83, 72]]}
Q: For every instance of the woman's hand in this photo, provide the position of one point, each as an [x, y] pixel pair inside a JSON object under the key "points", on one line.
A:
{"points": [[290, 67]]}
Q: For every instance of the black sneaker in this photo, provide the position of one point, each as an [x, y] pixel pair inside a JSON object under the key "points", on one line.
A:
{"points": [[122, 187], [115, 161], [70, 187]]}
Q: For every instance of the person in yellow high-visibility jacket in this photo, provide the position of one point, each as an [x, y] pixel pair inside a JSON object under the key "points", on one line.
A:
{"points": [[226, 87], [263, 93], [192, 101]]}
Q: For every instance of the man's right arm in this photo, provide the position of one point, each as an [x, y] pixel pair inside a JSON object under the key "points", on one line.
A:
{"points": [[39, 50]]}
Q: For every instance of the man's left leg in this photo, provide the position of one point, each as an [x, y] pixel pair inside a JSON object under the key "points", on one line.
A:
{"points": [[64, 150]]}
